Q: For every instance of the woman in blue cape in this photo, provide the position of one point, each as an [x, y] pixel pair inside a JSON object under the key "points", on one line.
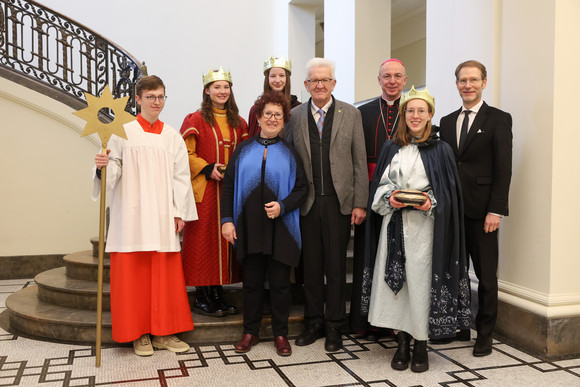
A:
{"points": [[415, 278], [264, 185]]}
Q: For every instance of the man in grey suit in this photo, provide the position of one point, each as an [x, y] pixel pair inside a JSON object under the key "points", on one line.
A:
{"points": [[327, 134]]}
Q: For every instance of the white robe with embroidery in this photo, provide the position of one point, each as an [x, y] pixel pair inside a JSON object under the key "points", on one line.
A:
{"points": [[409, 309], [149, 180]]}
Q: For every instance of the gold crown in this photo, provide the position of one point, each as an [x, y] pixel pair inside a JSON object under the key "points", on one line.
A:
{"points": [[414, 94], [278, 62], [219, 75]]}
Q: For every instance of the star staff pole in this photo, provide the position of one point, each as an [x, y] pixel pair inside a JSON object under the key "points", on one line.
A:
{"points": [[104, 130], [99, 332]]}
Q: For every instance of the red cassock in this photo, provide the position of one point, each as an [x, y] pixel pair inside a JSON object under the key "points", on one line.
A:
{"points": [[148, 292], [207, 257], [148, 295]]}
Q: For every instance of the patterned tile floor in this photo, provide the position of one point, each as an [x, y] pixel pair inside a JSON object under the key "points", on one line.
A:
{"points": [[26, 362]]}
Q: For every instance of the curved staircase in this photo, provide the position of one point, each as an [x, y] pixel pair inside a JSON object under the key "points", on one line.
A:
{"points": [[62, 306]]}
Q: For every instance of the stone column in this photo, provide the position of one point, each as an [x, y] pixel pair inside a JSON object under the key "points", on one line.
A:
{"points": [[357, 36], [301, 44]]}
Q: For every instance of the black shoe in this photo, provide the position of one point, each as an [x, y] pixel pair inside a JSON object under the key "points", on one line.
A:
{"points": [[333, 340], [462, 335], [371, 335], [311, 333], [377, 334], [205, 304], [401, 358], [420, 361], [217, 293], [482, 346]]}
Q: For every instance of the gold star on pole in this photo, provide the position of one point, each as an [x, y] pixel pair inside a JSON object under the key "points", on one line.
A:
{"points": [[91, 115]]}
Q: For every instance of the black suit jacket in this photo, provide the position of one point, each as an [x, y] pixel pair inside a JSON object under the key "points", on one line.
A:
{"points": [[485, 162]]}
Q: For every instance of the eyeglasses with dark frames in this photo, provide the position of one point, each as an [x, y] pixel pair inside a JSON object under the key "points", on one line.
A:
{"points": [[276, 116], [315, 82]]}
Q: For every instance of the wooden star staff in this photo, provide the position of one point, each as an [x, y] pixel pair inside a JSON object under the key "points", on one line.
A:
{"points": [[105, 130]]}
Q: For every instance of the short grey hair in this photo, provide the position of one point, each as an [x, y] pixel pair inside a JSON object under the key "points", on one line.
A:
{"points": [[320, 62]]}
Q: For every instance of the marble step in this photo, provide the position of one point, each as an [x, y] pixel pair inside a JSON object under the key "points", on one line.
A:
{"points": [[74, 286], [32, 316], [95, 244], [82, 265], [56, 287]]}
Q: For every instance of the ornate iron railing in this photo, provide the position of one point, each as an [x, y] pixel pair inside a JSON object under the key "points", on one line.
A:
{"points": [[54, 50]]}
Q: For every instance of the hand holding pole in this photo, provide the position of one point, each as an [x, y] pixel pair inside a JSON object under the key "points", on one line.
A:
{"points": [[105, 130]]}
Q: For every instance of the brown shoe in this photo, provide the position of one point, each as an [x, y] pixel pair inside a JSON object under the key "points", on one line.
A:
{"points": [[246, 343], [171, 343], [142, 346], [282, 345]]}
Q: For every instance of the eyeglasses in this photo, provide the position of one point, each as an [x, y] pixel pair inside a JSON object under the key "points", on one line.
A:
{"points": [[420, 112], [276, 116], [315, 82], [152, 98], [397, 77], [463, 81]]}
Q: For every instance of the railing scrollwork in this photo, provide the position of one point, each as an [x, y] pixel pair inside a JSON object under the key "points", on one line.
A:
{"points": [[57, 51]]}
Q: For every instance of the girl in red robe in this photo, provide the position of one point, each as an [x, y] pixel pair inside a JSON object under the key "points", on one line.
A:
{"points": [[211, 134]]}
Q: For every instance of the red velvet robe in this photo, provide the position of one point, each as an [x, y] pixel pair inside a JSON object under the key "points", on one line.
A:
{"points": [[207, 256]]}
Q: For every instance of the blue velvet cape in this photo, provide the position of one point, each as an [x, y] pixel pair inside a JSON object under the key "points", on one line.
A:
{"points": [[249, 183]]}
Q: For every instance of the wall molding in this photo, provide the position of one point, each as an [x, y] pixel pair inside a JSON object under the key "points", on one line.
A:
{"points": [[540, 303]]}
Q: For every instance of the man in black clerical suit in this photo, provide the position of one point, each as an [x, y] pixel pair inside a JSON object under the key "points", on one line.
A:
{"points": [[481, 137], [380, 117]]}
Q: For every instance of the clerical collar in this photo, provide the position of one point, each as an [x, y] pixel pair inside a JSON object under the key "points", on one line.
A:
{"points": [[268, 141], [390, 103]]}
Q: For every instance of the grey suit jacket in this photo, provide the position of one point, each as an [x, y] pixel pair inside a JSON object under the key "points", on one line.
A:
{"points": [[348, 165]]}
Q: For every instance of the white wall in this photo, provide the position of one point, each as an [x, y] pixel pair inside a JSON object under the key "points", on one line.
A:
{"points": [[339, 45], [413, 56], [301, 30], [531, 59], [531, 104], [179, 40], [565, 264], [372, 45], [357, 38], [456, 31], [46, 176]]}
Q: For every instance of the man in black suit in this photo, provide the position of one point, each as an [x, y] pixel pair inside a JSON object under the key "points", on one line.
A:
{"points": [[481, 137]]}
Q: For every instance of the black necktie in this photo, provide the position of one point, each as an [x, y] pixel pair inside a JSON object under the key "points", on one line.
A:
{"points": [[395, 274], [463, 135]]}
